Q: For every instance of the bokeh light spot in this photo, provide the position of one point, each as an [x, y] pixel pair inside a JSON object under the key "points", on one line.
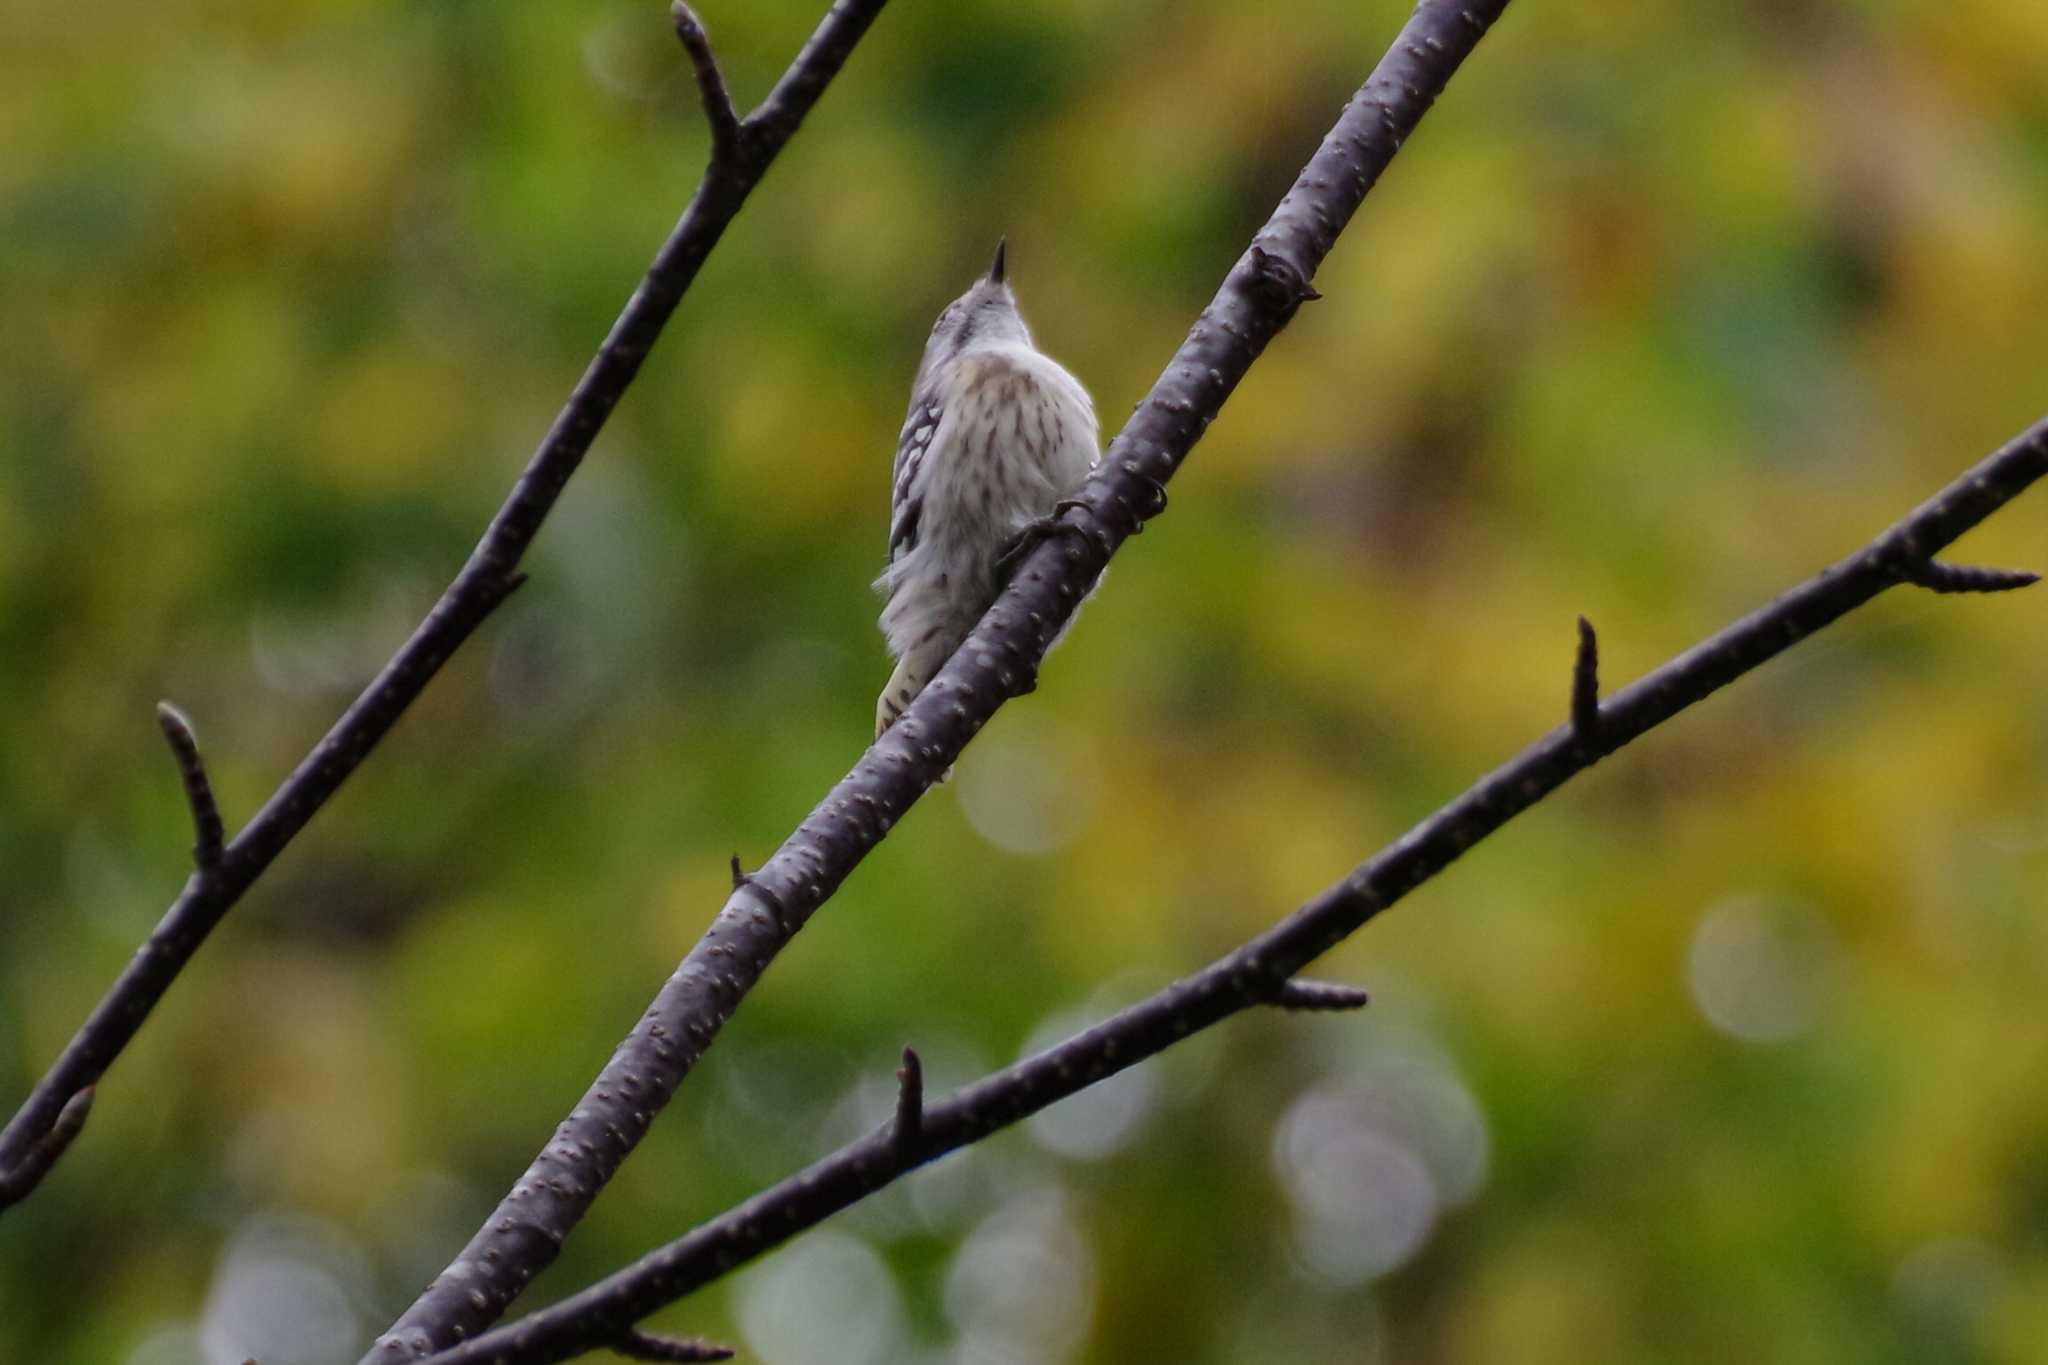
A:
{"points": [[1021, 793], [1945, 1287], [828, 1300], [286, 1293], [1364, 1203], [1759, 968], [1022, 1287]]}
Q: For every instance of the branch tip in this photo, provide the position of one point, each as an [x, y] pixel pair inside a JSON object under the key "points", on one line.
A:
{"points": [[1936, 576], [1326, 996], [71, 1118], [909, 1100], [208, 833], [726, 127], [20, 1182], [739, 876], [635, 1344], [1586, 684]]}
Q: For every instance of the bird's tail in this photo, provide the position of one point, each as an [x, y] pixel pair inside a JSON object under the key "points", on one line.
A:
{"points": [[904, 684]]}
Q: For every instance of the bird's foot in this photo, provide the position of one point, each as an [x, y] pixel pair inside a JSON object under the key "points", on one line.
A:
{"points": [[1044, 529]]}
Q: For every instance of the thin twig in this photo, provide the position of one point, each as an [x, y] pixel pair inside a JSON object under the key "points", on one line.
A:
{"points": [[1000, 657], [726, 133], [1586, 685], [1253, 974], [206, 825], [1300, 994], [909, 1102], [635, 1344], [1936, 576], [486, 579], [21, 1181]]}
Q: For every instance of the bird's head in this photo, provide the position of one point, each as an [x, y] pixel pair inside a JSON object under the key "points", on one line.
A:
{"points": [[986, 315]]}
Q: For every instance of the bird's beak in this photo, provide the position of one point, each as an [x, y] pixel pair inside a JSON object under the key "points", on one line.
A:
{"points": [[995, 271]]}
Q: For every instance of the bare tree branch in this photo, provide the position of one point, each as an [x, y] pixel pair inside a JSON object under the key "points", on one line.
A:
{"points": [[998, 661], [206, 825], [1256, 973], [488, 577]]}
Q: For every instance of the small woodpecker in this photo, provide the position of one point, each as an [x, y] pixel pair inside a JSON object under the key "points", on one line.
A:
{"points": [[998, 435]]}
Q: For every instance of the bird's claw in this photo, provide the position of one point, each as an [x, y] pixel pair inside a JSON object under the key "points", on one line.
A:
{"points": [[1044, 529]]}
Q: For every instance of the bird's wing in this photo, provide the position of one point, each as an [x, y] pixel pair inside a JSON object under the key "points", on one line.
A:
{"points": [[906, 499]]}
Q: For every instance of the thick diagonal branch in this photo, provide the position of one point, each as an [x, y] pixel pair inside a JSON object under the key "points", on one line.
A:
{"points": [[998, 661], [1252, 974], [484, 582]]}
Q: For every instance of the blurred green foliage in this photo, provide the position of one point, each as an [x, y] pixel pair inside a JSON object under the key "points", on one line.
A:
{"points": [[1733, 1050]]}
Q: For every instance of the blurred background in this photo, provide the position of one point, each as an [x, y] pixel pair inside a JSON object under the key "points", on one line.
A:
{"points": [[1731, 1050]]}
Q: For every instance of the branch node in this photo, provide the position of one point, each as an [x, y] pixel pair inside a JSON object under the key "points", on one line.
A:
{"points": [[909, 1102], [745, 880], [1586, 685], [1327, 996], [1279, 282], [1936, 576], [727, 132], [17, 1184], [206, 825], [635, 1344]]}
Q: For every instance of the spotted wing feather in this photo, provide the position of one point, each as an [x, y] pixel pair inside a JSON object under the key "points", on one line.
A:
{"points": [[906, 500]]}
